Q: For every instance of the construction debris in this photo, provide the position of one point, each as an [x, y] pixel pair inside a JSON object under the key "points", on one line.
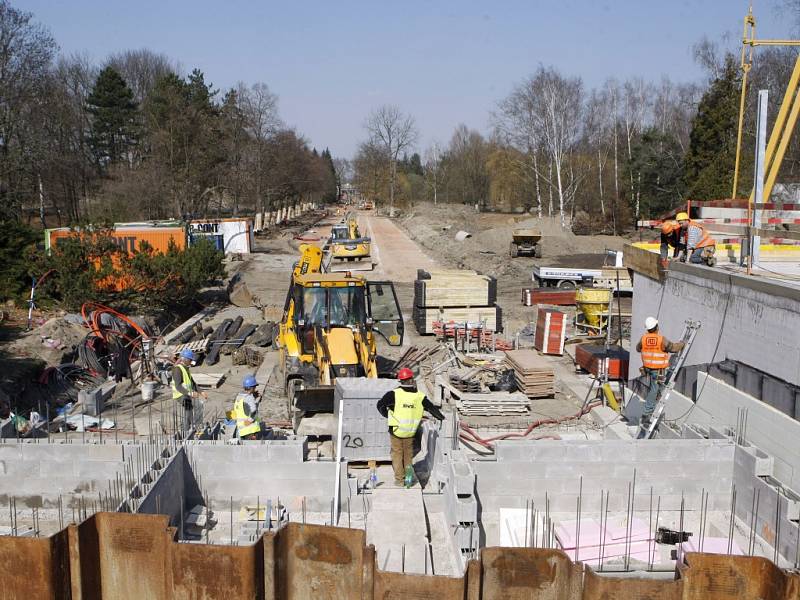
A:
{"points": [[493, 404]]}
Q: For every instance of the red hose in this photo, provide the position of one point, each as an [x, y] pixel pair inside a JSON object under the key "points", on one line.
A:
{"points": [[487, 442]]}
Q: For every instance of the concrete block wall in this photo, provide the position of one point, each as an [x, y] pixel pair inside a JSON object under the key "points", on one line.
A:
{"points": [[534, 470], [753, 320], [250, 471], [764, 506], [36, 474], [719, 406]]}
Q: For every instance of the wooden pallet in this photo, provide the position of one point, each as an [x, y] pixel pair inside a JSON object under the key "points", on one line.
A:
{"points": [[198, 347]]}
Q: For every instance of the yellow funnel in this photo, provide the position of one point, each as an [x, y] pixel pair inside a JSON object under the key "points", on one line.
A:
{"points": [[593, 303]]}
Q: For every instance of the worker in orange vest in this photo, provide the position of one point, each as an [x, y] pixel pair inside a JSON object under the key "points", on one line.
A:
{"points": [[698, 243], [655, 350], [671, 236]]}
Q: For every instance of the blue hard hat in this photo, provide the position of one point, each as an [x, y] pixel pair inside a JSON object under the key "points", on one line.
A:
{"points": [[187, 354], [249, 381]]}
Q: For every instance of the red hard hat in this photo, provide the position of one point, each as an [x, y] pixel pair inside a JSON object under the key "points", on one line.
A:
{"points": [[404, 374]]}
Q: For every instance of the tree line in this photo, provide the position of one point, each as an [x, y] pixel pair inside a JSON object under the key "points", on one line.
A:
{"points": [[134, 138], [597, 159]]}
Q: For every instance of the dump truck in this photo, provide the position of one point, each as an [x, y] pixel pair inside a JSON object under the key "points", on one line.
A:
{"points": [[525, 242], [347, 249], [328, 330]]}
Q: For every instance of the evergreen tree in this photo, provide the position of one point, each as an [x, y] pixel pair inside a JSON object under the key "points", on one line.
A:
{"points": [[712, 142], [415, 164], [657, 159], [114, 118], [331, 194]]}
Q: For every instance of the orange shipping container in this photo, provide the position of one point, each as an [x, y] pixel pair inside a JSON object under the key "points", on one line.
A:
{"points": [[130, 238]]}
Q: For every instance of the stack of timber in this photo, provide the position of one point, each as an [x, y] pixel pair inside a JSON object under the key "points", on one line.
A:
{"points": [[452, 296], [534, 377]]}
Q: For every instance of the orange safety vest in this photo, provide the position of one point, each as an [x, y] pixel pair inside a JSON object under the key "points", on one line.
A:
{"points": [[705, 238], [653, 357]]}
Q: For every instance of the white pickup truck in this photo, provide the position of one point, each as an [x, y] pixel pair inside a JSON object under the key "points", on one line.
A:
{"points": [[571, 278]]}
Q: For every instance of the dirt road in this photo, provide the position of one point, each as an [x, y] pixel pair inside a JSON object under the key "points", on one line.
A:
{"points": [[398, 256]]}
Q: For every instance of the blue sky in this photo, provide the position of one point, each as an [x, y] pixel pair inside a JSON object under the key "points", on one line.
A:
{"points": [[445, 62]]}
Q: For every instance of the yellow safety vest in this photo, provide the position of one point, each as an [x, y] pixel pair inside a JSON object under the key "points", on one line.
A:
{"points": [[653, 357], [407, 413], [244, 425], [188, 384]]}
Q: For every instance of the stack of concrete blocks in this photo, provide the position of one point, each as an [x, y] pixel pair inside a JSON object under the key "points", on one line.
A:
{"points": [[365, 434], [461, 505]]}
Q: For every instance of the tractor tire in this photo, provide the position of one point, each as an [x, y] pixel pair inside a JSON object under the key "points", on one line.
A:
{"points": [[513, 250], [537, 251], [566, 284]]}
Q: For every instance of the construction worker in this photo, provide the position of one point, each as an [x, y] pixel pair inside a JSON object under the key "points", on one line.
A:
{"points": [[671, 236], [403, 408], [655, 350], [696, 240], [245, 410], [184, 389]]}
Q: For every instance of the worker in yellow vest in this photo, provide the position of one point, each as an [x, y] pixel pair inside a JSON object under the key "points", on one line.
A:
{"points": [[403, 408], [184, 391], [245, 410], [655, 350]]}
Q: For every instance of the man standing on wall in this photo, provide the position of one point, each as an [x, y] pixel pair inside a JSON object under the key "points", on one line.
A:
{"points": [[403, 408]]}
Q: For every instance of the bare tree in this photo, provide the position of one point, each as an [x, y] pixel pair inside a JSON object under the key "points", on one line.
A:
{"points": [[395, 132], [548, 108], [433, 168], [141, 69], [344, 170], [636, 94], [26, 52], [259, 108], [518, 124]]}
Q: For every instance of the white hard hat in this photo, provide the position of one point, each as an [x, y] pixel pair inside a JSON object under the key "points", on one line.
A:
{"points": [[650, 323]]}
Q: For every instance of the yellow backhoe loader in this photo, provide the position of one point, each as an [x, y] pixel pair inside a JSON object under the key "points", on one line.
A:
{"points": [[328, 331], [348, 250]]}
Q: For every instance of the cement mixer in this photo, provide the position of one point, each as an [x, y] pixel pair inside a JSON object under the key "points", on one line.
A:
{"points": [[592, 315]]}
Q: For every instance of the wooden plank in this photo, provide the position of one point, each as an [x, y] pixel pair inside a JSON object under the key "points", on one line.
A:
{"points": [[208, 379], [643, 262]]}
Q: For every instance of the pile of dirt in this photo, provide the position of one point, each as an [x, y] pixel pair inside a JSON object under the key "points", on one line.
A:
{"points": [[51, 342], [487, 250]]}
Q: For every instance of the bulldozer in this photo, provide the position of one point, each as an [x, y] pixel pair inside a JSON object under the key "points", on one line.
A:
{"points": [[347, 249], [328, 330]]}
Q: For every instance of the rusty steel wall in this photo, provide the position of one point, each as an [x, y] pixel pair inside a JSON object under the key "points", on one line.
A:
{"points": [[115, 556]]}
